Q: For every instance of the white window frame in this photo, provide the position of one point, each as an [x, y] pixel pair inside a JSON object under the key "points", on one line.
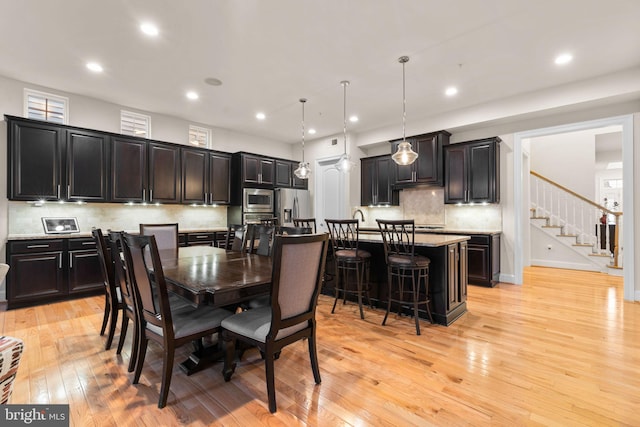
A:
{"points": [[46, 97], [130, 116], [200, 131]]}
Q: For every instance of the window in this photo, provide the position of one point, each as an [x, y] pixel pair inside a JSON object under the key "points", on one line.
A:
{"points": [[200, 137], [45, 106], [135, 124]]}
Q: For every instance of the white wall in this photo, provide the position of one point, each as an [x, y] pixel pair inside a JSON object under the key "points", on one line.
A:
{"points": [[569, 159]]}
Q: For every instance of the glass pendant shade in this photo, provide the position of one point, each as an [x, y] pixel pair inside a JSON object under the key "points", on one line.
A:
{"points": [[303, 170], [404, 155], [344, 163]]}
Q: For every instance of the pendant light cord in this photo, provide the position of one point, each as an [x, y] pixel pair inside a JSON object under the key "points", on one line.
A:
{"points": [[344, 129], [404, 59], [303, 100]]}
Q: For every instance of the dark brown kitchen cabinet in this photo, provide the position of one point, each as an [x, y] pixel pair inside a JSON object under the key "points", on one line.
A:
{"points": [[54, 162], [164, 173], [219, 178], [195, 179], [87, 166], [257, 170], [428, 167], [376, 180], [472, 172], [128, 169], [284, 173], [84, 273], [457, 277], [302, 184], [45, 270], [484, 259]]}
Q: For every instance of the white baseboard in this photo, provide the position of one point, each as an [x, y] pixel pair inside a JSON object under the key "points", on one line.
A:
{"points": [[562, 264], [508, 278]]}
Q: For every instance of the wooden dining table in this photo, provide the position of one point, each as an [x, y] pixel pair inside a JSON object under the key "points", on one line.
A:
{"points": [[209, 276]]}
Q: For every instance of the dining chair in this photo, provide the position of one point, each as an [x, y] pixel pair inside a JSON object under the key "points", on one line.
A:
{"points": [[4, 269], [274, 221], [298, 266], [403, 265], [166, 235], [131, 309], [170, 329], [236, 239], [263, 235], [113, 298], [288, 230], [351, 262], [305, 222]]}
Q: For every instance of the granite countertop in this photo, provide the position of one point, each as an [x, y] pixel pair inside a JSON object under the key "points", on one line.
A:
{"points": [[444, 230], [86, 234], [429, 240]]}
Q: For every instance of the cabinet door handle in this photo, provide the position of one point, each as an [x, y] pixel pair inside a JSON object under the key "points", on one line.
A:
{"points": [[144, 194], [89, 243], [70, 261], [60, 262], [151, 195], [58, 191], [37, 246], [68, 191], [201, 237], [211, 198]]}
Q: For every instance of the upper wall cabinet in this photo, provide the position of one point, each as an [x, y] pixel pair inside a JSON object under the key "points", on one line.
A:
{"points": [[428, 167], [164, 173], [257, 171], [376, 180], [472, 171], [49, 162], [285, 178], [205, 177], [129, 178]]}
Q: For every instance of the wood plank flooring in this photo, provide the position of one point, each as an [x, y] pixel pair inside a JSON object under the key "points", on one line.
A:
{"points": [[563, 349]]}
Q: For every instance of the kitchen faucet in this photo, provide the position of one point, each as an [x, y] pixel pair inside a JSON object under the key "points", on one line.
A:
{"points": [[361, 214]]}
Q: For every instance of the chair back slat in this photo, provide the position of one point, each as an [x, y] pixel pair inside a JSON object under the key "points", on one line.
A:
{"points": [[106, 264], [345, 234], [298, 268], [398, 236], [305, 222], [152, 290]]}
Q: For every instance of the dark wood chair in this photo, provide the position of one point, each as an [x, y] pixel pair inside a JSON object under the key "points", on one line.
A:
{"points": [[260, 239], [166, 235], [298, 267], [236, 238], [291, 231], [170, 329], [113, 303], [305, 222], [408, 273], [131, 309], [352, 264], [271, 222]]}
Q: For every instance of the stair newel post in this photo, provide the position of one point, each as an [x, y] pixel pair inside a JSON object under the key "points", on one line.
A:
{"points": [[616, 233]]}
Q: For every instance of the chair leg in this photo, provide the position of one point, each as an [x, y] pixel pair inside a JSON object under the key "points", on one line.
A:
{"points": [[416, 293], [229, 367], [107, 310], [313, 355], [124, 326], [142, 352], [270, 375], [135, 345], [337, 287], [167, 370], [360, 277], [389, 279], [112, 326]]}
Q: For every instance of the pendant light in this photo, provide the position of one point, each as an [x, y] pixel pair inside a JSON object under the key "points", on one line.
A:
{"points": [[405, 155], [303, 171], [344, 164]]}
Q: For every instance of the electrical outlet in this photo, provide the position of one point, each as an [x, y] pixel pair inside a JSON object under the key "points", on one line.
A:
{"points": [[549, 247]]}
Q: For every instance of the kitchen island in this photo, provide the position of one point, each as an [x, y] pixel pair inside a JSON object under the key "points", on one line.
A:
{"points": [[447, 273]]}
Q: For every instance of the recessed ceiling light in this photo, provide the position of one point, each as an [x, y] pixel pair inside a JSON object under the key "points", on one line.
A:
{"points": [[353, 119], [261, 116], [563, 59], [451, 91], [192, 95], [149, 29], [312, 131], [95, 67]]}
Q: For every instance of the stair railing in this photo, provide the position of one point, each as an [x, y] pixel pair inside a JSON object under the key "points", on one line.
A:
{"points": [[575, 214]]}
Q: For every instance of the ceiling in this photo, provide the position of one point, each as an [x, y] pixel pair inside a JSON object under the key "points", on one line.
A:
{"points": [[268, 54]]}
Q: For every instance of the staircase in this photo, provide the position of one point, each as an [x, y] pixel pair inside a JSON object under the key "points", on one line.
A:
{"points": [[571, 222]]}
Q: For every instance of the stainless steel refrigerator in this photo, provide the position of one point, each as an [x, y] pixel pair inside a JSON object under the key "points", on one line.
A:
{"points": [[292, 203]]}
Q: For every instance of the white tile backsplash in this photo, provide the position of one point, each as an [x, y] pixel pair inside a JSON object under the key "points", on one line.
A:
{"points": [[25, 218]]}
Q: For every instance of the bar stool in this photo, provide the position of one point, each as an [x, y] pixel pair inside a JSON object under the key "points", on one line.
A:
{"points": [[403, 265], [349, 258]]}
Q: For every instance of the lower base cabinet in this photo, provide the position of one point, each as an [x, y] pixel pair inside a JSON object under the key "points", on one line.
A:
{"points": [[47, 270], [484, 260]]}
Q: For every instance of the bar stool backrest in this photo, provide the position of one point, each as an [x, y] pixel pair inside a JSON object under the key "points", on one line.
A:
{"points": [[345, 234], [398, 236]]}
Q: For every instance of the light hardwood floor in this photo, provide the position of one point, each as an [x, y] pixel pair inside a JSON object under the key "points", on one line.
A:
{"points": [[563, 349]]}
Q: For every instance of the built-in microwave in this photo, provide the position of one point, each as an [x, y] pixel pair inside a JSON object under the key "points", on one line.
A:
{"points": [[257, 200]]}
